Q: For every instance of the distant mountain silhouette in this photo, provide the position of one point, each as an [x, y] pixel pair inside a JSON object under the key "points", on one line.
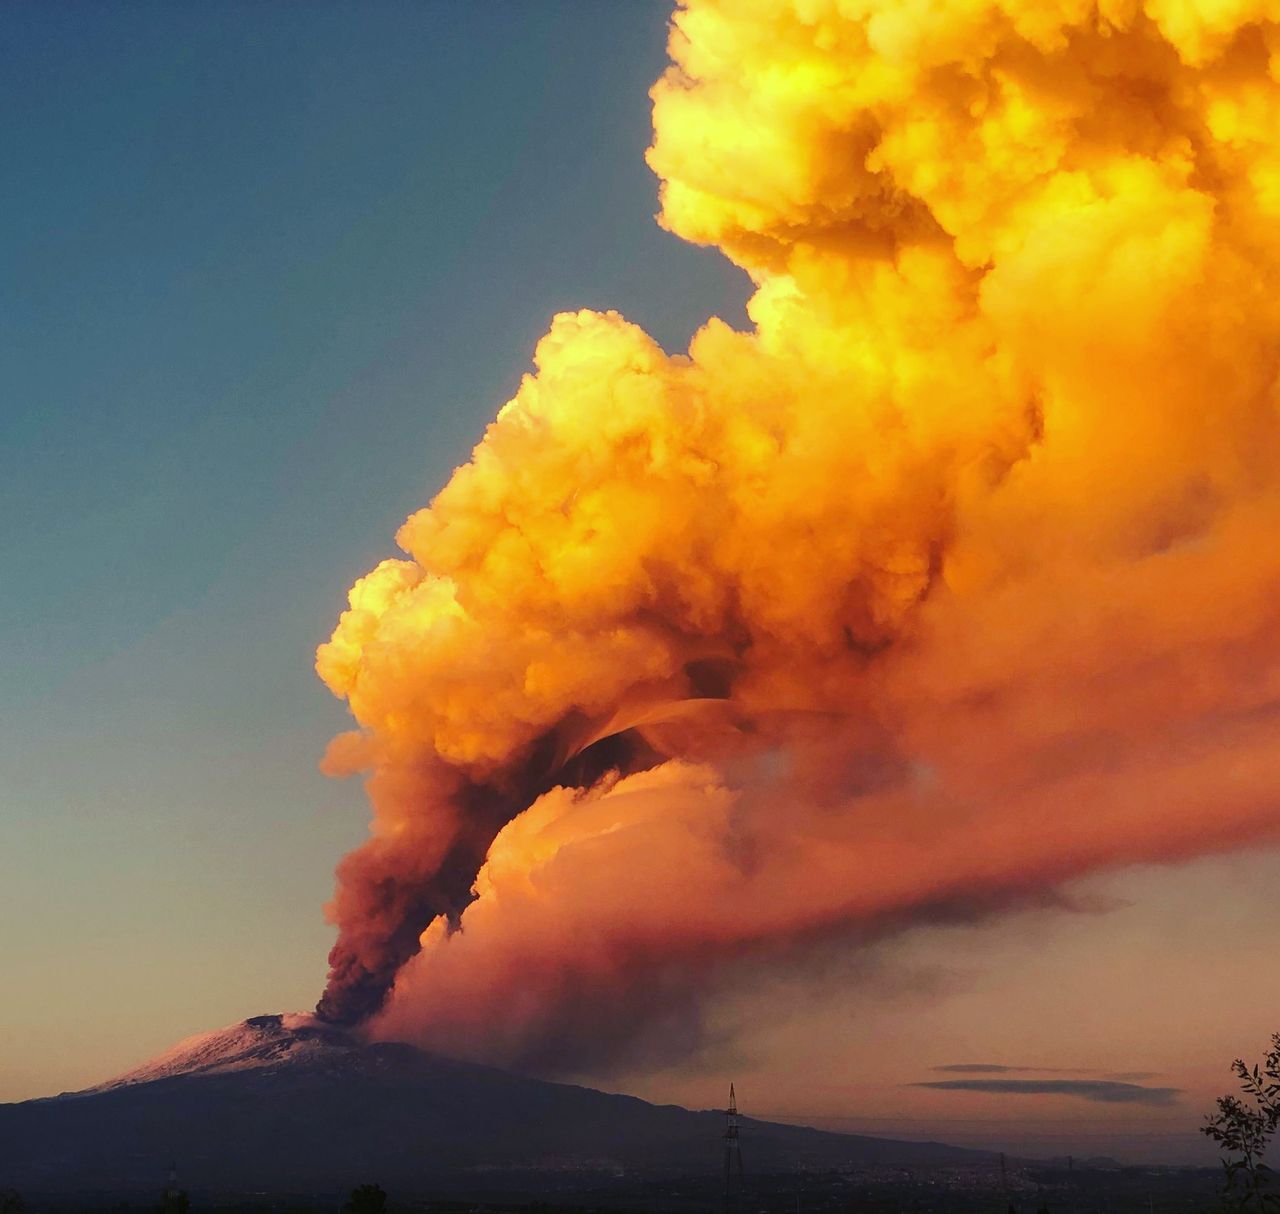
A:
{"points": [[288, 1105]]}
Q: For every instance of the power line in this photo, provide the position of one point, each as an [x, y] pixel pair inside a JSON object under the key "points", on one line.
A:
{"points": [[732, 1155]]}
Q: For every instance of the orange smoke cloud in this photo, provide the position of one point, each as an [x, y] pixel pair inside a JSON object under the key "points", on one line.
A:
{"points": [[951, 580]]}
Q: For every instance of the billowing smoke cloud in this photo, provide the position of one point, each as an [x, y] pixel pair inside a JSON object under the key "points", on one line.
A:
{"points": [[951, 580]]}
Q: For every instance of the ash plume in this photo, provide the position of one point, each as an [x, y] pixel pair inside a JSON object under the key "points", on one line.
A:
{"points": [[951, 580]]}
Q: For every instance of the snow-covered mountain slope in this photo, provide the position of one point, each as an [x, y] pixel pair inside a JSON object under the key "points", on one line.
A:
{"points": [[290, 1038]]}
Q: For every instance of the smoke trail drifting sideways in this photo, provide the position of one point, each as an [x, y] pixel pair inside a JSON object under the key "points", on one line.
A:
{"points": [[952, 579]]}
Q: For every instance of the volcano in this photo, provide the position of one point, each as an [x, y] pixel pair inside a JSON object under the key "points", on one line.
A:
{"points": [[290, 1105]]}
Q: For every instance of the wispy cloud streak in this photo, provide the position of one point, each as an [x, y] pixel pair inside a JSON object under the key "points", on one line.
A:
{"points": [[1100, 1091]]}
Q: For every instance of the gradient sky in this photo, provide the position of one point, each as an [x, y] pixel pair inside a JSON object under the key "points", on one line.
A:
{"points": [[270, 270]]}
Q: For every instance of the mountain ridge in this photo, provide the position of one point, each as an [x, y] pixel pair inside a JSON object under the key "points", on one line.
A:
{"points": [[286, 1104]]}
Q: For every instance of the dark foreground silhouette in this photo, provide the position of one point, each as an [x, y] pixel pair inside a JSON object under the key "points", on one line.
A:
{"points": [[277, 1107]]}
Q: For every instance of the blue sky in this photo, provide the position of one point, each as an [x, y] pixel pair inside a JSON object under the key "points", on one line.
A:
{"points": [[269, 269]]}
